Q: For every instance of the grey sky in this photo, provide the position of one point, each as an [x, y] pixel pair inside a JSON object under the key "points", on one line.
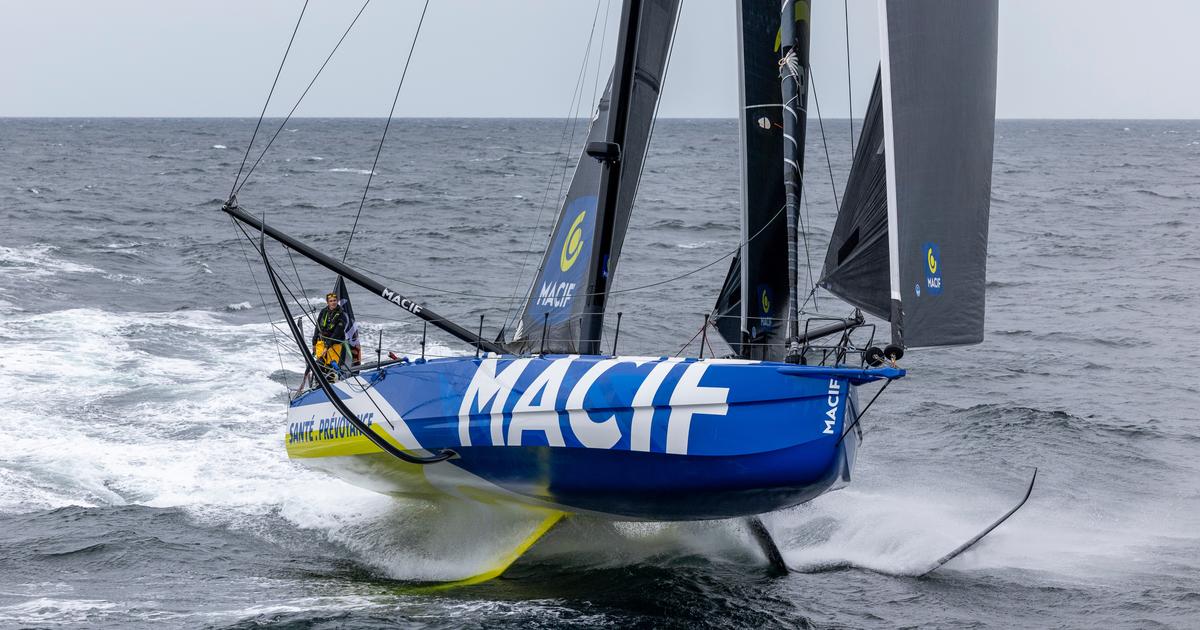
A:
{"points": [[1058, 58]]}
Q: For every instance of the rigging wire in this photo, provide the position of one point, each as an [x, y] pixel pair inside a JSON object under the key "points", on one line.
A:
{"points": [[821, 122], [807, 256], [689, 341], [299, 280], [567, 157], [308, 312], [271, 92], [249, 268], [382, 138], [572, 123], [661, 87], [238, 187], [681, 276], [650, 139], [600, 57]]}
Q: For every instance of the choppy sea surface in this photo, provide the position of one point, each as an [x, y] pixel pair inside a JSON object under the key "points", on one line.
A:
{"points": [[143, 480]]}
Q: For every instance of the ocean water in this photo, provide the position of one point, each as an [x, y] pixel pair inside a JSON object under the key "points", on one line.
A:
{"points": [[143, 481]]}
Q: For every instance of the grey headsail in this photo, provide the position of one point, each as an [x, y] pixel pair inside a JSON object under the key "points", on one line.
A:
{"points": [[567, 298], [937, 90], [752, 306]]}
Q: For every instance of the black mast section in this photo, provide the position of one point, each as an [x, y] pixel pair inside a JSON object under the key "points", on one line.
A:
{"points": [[420, 310], [791, 71], [609, 154]]}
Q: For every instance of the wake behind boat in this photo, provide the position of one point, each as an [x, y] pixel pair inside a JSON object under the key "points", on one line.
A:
{"points": [[544, 421]]}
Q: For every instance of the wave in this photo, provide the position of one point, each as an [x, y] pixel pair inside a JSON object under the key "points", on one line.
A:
{"points": [[1159, 195], [38, 260], [679, 224], [1003, 284], [126, 278], [990, 422], [56, 611], [125, 244], [170, 410], [360, 171]]}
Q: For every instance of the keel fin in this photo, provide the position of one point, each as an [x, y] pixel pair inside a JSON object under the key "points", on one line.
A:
{"points": [[970, 543], [503, 562], [766, 542]]}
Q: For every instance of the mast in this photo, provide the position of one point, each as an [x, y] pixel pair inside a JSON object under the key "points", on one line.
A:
{"points": [[752, 308], [791, 75], [609, 155]]}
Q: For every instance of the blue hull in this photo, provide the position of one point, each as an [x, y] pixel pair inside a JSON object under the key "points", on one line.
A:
{"points": [[624, 438]]}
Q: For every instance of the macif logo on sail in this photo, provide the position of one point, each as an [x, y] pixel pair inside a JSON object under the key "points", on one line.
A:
{"points": [[566, 263], [933, 268], [573, 244]]}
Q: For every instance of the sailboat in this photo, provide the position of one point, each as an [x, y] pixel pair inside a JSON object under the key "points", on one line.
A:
{"points": [[545, 421]]}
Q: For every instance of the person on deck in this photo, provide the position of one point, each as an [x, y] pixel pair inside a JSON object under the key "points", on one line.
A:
{"points": [[329, 337]]}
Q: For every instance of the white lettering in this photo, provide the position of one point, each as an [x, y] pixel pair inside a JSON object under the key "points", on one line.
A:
{"points": [[403, 303], [488, 389], [689, 399], [556, 294], [643, 405], [540, 416], [834, 398], [594, 434]]}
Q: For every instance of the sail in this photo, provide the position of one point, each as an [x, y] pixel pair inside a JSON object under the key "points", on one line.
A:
{"points": [[727, 314], [553, 305], [856, 264], [573, 264], [937, 101], [760, 272]]}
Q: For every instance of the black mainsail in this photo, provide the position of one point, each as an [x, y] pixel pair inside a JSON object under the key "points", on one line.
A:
{"points": [[856, 264], [917, 255], [566, 301], [751, 312]]}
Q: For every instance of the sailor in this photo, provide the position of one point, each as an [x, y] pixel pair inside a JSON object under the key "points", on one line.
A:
{"points": [[329, 338]]}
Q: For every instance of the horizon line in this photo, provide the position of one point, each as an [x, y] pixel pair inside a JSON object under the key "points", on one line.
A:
{"points": [[191, 117]]}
